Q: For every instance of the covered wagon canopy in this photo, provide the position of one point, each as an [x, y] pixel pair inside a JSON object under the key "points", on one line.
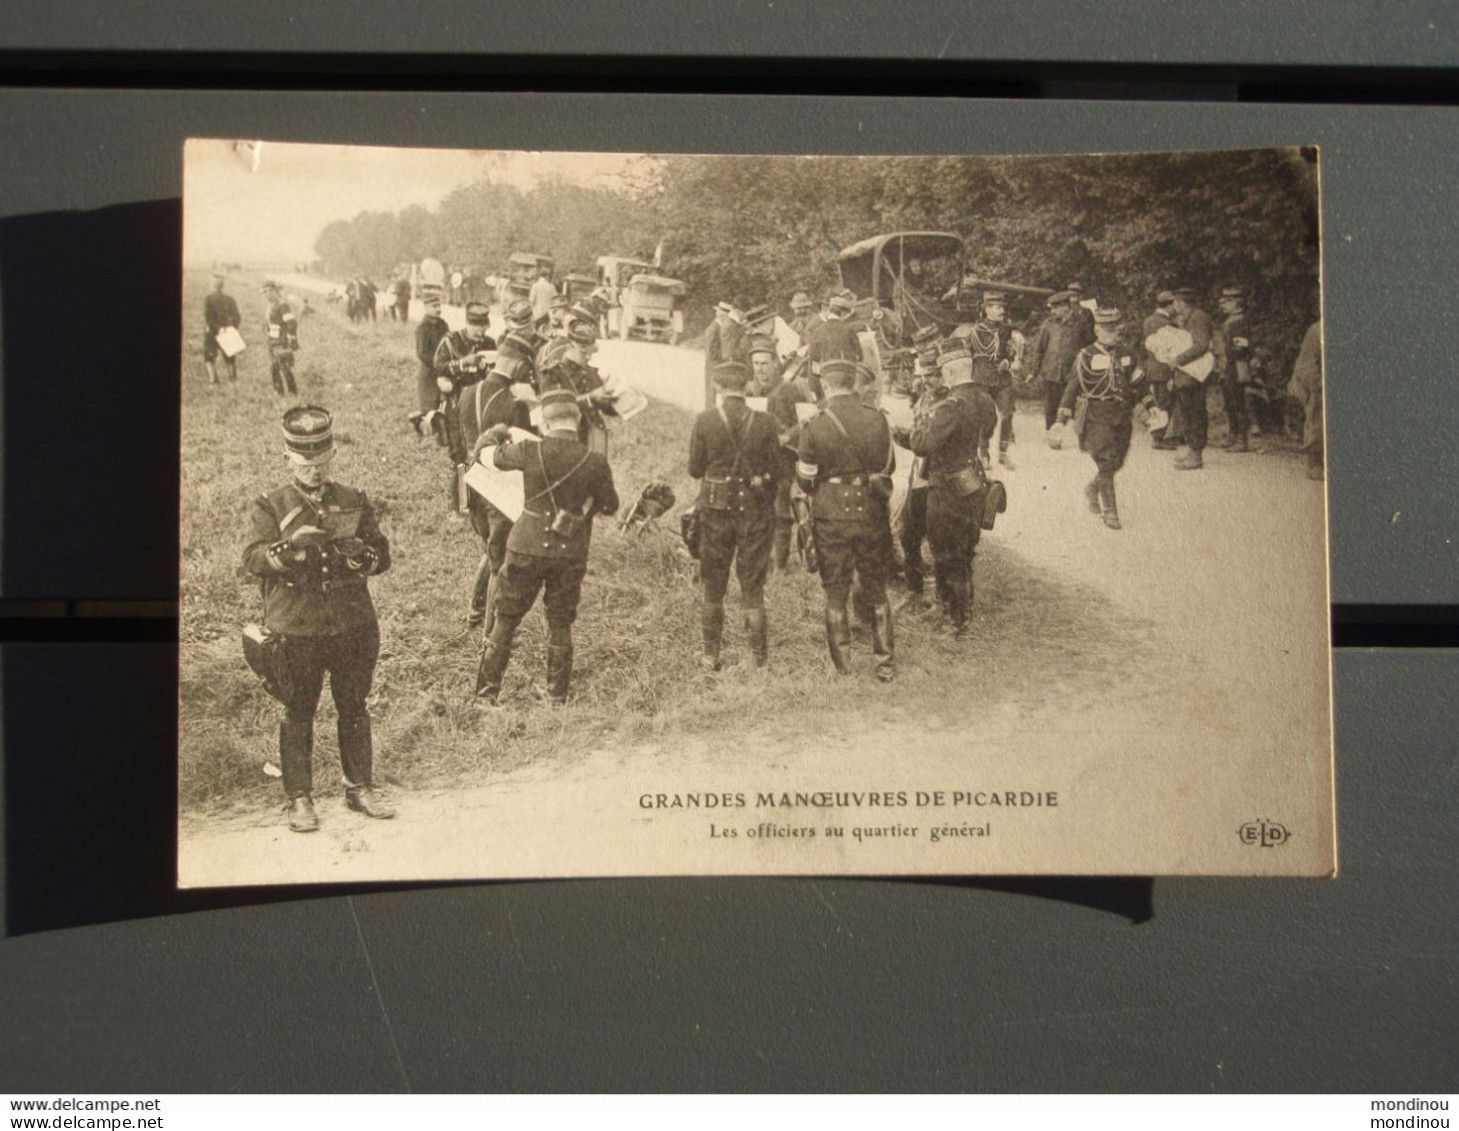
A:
{"points": [[658, 283], [528, 258]]}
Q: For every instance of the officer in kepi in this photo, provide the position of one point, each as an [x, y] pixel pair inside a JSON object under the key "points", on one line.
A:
{"points": [[564, 486], [734, 452], [845, 465], [462, 359], [313, 545], [1103, 378]]}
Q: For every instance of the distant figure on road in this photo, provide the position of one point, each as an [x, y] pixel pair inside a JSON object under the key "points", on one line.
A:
{"points": [[1052, 353], [220, 311], [401, 310], [540, 296], [1190, 394]]}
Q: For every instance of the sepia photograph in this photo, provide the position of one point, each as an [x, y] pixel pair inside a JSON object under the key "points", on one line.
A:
{"points": [[554, 514]]}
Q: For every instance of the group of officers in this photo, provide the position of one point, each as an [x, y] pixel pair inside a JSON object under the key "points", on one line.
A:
{"points": [[822, 477]]}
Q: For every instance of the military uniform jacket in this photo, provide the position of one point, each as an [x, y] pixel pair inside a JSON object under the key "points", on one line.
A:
{"points": [[1101, 373], [729, 342], [730, 447], [1236, 346], [281, 327], [580, 481], [454, 348], [325, 594], [948, 434], [220, 310], [992, 345], [489, 402], [835, 469], [1197, 323], [428, 335], [1053, 350], [834, 340]]}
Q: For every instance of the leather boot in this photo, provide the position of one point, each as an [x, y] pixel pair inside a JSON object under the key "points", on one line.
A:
{"points": [[882, 644], [1005, 457], [1091, 495], [559, 663], [959, 606], [364, 799], [480, 592], [1107, 500], [780, 557], [838, 639], [212, 373], [712, 622], [757, 629], [302, 818], [494, 658]]}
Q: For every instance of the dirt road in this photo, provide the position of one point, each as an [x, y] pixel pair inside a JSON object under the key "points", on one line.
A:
{"points": [[1176, 666]]}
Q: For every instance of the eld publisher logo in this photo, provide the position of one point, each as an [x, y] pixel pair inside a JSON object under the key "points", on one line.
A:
{"points": [[1262, 833]]}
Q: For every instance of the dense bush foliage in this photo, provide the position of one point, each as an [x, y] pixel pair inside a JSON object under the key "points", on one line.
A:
{"points": [[761, 227]]}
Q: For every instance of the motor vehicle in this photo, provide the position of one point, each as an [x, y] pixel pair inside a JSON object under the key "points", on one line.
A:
{"points": [[521, 272], [578, 286], [648, 309]]}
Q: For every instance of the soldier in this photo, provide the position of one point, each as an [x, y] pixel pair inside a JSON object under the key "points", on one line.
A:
{"points": [[793, 389], [725, 341], [991, 345], [1102, 377], [1160, 376], [461, 361], [1306, 384], [1052, 353], [428, 335], [518, 318], [563, 365], [1235, 357], [802, 314], [282, 329], [557, 315], [490, 402], [1190, 394], [1082, 317], [540, 297], [312, 545], [565, 485], [402, 299], [735, 454], [946, 435], [835, 338], [912, 528], [845, 464], [220, 311], [764, 367]]}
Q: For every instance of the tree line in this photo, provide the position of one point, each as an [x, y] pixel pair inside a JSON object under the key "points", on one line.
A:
{"points": [[762, 227]]}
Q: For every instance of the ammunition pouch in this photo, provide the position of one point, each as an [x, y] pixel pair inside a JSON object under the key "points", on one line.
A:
{"points": [[567, 523], [846, 498], [731, 494], [964, 482], [264, 651]]}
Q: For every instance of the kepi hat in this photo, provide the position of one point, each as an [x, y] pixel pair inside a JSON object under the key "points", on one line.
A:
{"points": [[308, 435]]}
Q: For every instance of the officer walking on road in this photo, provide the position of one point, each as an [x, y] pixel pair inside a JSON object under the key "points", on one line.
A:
{"points": [[565, 486], [845, 465], [1235, 362], [1052, 353], [313, 544], [735, 454], [1103, 379], [991, 343]]}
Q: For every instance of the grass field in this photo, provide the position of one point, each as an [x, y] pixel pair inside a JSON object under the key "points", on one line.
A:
{"points": [[637, 633]]}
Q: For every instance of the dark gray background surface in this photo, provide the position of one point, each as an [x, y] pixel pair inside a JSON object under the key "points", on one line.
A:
{"points": [[1407, 33], [1390, 178], [768, 984], [1234, 985]]}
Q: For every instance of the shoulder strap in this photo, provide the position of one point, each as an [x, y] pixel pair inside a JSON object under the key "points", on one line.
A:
{"points": [[733, 439], [551, 488], [836, 420], [482, 411]]}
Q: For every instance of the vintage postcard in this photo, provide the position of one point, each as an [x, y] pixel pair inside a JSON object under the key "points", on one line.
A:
{"points": [[600, 514]]}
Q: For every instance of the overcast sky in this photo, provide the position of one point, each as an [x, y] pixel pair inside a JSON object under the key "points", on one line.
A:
{"points": [[272, 215]]}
